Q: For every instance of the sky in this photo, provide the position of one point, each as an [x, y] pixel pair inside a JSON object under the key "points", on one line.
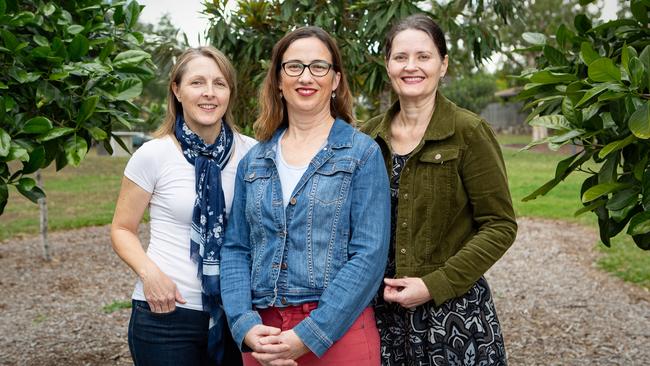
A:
{"points": [[186, 15]]}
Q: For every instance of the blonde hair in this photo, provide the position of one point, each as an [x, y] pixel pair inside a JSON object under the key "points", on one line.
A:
{"points": [[176, 75], [273, 112]]}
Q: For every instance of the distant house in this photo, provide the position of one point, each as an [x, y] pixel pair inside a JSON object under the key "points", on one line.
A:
{"points": [[506, 116]]}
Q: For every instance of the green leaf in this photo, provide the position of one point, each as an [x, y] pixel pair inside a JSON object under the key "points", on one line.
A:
{"points": [[55, 133], [636, 72], [16, 152], [78, 47], [75, 150], [616, 145], [548, 77], [87, 108], [97, 133], [590, 207], [49, 9], [622, 199], [542, 190], [4, 194], [640, 11], [639, 224], [33, 194], [582, 23], [592, 93], [41, 41], [9, 39], [600, 190], [36, 160], [132, 13], [554, 121], [554, 56], [129, 89], [27, 183], [587, 53], [603, 69], [534, 38], [5, 143], [130, 58], [75, 29], [639, 122], [37, 125], [645, 59]]}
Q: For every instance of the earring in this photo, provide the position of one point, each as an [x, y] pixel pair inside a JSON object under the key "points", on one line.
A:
{"points": [[333, 95], [281, 95]]}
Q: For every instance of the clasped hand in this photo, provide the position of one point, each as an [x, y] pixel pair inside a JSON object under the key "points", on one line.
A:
{"points": [[408, 291], [273, 347]]}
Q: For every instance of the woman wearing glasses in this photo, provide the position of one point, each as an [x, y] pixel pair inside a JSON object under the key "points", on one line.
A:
{"points": [[310, 219]]}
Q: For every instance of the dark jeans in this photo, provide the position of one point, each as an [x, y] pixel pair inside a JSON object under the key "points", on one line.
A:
{"points": [[176, 338]]}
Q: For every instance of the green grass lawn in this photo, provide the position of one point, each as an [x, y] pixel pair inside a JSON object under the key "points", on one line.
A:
{"points": [[86, 195], [76, 197]]}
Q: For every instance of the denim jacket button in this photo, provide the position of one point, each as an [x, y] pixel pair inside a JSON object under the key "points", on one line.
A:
{"points": [[293, 201], [403, 251], [283, 300], [283, 265], [251, 175]]}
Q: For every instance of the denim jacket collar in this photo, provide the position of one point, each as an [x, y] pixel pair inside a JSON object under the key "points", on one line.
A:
{"points": [[441, 126], [338, 138]]}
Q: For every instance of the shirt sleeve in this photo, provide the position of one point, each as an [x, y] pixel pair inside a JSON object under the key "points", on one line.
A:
{"points": [[142, 168]]}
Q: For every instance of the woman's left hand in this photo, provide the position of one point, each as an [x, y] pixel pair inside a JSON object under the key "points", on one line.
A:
{"points": [[296, 348], [408, 291]]}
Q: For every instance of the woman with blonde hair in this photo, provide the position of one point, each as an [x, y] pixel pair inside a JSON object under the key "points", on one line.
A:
{"points": [[186, 177], [308, 234]]}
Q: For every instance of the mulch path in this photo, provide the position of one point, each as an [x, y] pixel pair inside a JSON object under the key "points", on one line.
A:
{"points": [[555, 307]]}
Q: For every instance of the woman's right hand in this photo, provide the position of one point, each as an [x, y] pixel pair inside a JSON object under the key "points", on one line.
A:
{"points": [[267, 354], [160, 291]]}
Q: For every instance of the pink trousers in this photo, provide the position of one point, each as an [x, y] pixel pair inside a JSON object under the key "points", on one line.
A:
{"points": [[358, 347]]}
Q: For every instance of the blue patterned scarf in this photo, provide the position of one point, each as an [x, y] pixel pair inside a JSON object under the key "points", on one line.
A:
{"points": [[208, 220]]}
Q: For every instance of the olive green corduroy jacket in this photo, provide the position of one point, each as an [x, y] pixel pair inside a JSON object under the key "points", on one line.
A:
{"points": [[454, 217]]}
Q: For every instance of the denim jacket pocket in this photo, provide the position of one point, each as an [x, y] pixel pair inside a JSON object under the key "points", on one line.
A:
{"points": [[258, 181], [332, 180], [439, 175]]}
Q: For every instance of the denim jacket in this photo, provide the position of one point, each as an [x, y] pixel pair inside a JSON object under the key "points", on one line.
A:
{"points": [[329, 245]]}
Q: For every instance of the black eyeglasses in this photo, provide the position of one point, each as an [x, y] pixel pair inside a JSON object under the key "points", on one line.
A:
{"points": [[317, 68]]}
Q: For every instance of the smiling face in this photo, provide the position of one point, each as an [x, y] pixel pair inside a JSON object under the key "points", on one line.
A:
{"points": [[308, 93], [203, 92], [414, 65]]}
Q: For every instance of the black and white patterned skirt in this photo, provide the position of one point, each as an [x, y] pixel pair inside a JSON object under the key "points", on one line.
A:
{"points": [[464, 331]]}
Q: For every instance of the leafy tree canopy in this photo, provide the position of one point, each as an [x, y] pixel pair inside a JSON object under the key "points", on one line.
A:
{"points": [[248, 33], [592, 87], [69, 71]]}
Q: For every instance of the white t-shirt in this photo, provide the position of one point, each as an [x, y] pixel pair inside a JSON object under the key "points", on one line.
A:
{"points": [[289, 174], [160, 168]]}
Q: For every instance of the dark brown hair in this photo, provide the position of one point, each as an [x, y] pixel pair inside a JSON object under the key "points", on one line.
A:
{"points": [[176, 75], [273, 112], [419, 22]]}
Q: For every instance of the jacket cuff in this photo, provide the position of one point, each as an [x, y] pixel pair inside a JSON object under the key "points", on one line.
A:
{"points": [[439, 287], [241, 327], [312, 336]]}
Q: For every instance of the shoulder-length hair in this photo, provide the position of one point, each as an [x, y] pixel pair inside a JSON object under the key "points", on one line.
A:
{"points": [[273, 111], [176, 76]]}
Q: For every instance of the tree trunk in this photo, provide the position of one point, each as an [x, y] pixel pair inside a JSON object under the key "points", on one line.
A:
{"points": [[42, 204]]}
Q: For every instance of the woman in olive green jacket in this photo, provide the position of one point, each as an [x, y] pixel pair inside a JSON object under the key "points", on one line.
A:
{"points": [[452, 215]]}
